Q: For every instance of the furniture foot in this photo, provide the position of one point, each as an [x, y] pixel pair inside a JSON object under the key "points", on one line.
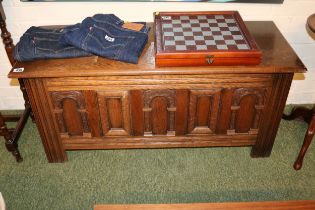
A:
{"points": [[13, 148], [11, 136], [307, 115], [307, 141], [256, 153], [7, 134]]}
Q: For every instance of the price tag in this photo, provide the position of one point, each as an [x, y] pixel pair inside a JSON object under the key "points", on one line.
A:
{"points": [[18, 70], [133, 26], [166, 17]]}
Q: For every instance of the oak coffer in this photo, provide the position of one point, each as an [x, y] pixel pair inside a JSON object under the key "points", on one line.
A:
{"points": [[96, 103]]}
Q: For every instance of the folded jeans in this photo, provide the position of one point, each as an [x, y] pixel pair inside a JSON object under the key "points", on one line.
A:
{"points": [[41, 43], [101, 34], [104, 35]]}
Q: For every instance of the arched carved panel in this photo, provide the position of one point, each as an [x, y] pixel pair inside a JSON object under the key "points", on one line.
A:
{"points": [[70, 113], [159, 112], [203, 111], [72, 118], [246, 110], [159, 115], [114, 111]]}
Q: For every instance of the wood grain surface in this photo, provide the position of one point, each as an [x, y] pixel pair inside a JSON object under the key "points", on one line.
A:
{"points": [[277, 57], [271, 205]]}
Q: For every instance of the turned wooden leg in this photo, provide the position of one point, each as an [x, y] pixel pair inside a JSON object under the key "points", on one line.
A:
{"points": [[10, 144], [26, 99], [307, 141], [307, 115]]}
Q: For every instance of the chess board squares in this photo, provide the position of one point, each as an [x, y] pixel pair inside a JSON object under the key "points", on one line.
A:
{"points": [[168, 34], [218, 17], [186, 25], [234, 28], [167, 25], [226, 33], [214, 28], [204, 45], [197, 33], [178, 29], [204, 25], [238, 37], [227, 37], [202, 17], [169, 43], [196, 29], [184, 17], [203, 21], [222, 25], [177, 26], [242, 47], [203, 32], [185, 21], [175, 22], [167, 30], [218, 38], [230, 42], [207, 33], [194, 21], [216, 33], [230, 21], [199, 19], [220, 20], [231, 24], [188, 34], [211, 20], [192, 38]]}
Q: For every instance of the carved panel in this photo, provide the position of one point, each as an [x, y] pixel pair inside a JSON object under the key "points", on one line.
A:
{"points": [[203, 111], [114, 111], [70, 113], [159, 112], [246, 110]]}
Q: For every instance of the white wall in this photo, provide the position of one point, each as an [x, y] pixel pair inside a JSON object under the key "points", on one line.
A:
{"points": [[290, 17]]}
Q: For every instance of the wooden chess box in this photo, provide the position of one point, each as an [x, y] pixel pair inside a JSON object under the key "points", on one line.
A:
{"points": [[202, 39]]}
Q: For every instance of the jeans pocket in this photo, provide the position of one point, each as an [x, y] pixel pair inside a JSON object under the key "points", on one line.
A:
{"points": [[51, 48], [55, 53], [106, 41]]}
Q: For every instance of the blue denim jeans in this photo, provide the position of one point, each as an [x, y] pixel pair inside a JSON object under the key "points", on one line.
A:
{"points": [[109, 18], [39, 43], [104, 35]]}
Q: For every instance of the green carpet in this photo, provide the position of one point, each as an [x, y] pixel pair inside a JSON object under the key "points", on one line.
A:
{"points": [[155, 175]]}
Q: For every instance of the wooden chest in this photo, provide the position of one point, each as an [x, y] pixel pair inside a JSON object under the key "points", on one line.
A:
{"points": [[96, 103], [203, 39]]}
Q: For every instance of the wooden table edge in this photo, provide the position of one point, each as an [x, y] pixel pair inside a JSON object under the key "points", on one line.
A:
{"points": [[270, 205]]}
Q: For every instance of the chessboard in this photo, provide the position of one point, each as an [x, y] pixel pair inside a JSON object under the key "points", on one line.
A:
{"points": [[216, 38]]}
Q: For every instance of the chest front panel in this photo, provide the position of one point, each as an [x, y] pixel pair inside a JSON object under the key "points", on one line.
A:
{"points": [[122, 109]]}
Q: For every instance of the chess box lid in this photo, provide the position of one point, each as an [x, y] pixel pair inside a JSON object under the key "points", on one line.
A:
{"points": [[203, 38]]}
